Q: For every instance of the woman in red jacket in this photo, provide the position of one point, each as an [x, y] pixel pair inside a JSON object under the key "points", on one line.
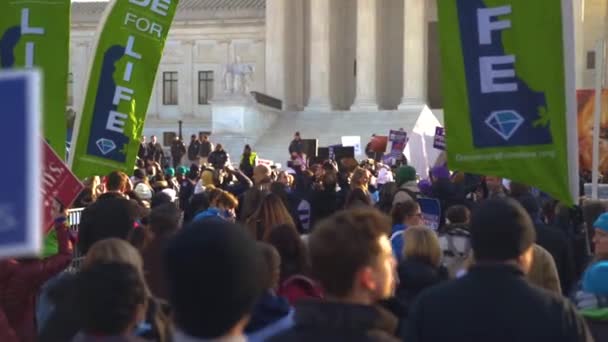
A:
{"points": [[21, 279]]}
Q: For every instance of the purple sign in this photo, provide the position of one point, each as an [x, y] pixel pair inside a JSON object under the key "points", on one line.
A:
{"points": [[399, 140], [439, 142]]}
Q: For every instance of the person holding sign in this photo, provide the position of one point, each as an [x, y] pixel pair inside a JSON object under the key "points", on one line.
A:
{"points": [[21, 280]]}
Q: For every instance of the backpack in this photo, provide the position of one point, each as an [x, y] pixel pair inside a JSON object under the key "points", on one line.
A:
{"points": [[412, 194], [454, 258]]}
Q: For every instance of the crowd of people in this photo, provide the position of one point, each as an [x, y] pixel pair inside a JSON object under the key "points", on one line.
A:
{"points": [[319, 251]]}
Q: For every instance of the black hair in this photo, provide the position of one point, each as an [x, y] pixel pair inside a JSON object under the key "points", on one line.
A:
{"points": [[160, 198], [110, 217], [108, 295], [457, 214], [164, 219], [204, 307], [501, 230]]}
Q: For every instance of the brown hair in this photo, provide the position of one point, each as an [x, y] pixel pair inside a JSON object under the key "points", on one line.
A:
{"points": [[402, 210], [344, 243], [357, 198], [226, 200], [358, 177], [271, 213], [421, 243], [117, 181], [294, 254]]}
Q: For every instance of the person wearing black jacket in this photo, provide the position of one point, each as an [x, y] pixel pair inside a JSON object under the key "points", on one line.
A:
{"points": [[494, 301], [555, 242], [194, 150], [351, 258], [143, 152], [155, 151], [296, 145]]}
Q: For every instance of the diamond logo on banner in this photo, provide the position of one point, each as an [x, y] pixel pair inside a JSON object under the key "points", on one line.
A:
{"points": [[105, 146], [505, 122]]}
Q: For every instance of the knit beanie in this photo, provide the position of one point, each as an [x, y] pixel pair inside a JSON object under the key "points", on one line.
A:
{"points": [[405, 174], [440, 172], [595, 279], [182, 170], [170, 172], [602, 222]]}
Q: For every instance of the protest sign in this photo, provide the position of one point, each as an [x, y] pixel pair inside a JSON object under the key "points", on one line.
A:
{"points": [[510, 103], [419, 151], [266, 162], [398, 141], [130, 42], [37, 34], [58, 184], [379, 143], [20, 228], [431, 212], [439, 142], [353, 141]]}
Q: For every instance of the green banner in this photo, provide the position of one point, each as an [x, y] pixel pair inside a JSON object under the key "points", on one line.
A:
{"points": [[129, 46], [508, 85], [37, 34]]}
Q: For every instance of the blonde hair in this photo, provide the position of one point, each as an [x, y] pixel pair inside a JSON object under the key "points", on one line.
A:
{"points": [[115, 250], [422, 243]]}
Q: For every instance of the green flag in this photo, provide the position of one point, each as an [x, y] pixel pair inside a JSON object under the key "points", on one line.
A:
{"points": [[509, 95], [129, 46], [37, 34]]}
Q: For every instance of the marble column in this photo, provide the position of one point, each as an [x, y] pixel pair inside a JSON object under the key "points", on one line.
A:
{"points": [[284, 52], [320, 66], [367, 52], [275, 48], [414, 54]]}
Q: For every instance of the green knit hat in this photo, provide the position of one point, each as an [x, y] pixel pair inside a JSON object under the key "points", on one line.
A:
{"points": [[405, 174]]}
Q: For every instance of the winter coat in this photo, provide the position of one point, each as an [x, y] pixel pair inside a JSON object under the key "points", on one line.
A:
{"points": [[555, 242], [269, 309], [543, 272], [218, 159], [156, 152], [415, 276], [320, 321], [296, 146], [20, 282], [299, 287], [205, 149], [65, 321], [494, 303], [323, 203], [194, 150], [178, 150]]}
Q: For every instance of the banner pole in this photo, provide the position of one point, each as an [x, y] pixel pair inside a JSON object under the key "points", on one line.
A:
{"points": [[599, 78]]}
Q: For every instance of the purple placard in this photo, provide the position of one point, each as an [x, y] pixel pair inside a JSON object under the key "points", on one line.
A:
{"points": [[439, 141]]}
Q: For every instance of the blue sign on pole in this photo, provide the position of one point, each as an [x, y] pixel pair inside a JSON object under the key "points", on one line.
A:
{"points": [[20, 198]]}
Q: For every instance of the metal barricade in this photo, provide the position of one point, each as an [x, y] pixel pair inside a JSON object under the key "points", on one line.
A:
{"points": [[74, 216]]}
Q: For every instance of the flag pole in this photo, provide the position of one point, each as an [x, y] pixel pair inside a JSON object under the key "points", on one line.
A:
{"points": [[599, 81]]}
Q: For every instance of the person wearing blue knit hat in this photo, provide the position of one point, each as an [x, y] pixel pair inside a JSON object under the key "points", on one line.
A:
{"points": [[595, 279], [595, 282], [600, 238]]}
